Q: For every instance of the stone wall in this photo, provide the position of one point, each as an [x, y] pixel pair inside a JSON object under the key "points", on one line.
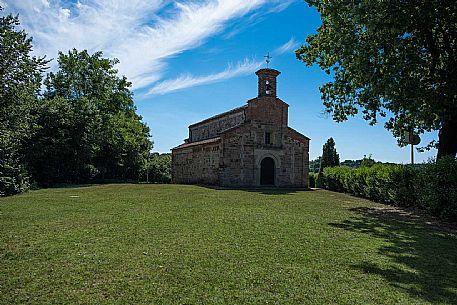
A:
{"points": [[295, 164], [243, 150], [213, 127], [268, 110], [237, 157], [197, 164]]}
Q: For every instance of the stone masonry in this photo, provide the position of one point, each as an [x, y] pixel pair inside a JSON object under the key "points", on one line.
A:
{"points": [[249, 146]]}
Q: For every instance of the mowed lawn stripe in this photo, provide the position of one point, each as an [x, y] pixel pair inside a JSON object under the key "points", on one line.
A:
{"points": [[175, 244]]}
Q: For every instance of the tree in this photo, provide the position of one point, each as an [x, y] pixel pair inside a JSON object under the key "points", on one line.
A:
{"points": [[390, 58], [20, 80], [314, 165], [367, 161], [351, 163], [160, 168], [64, 146], [88, 125], [330, 157]]}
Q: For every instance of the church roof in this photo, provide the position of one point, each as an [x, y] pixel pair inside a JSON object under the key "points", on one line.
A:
{"points": [[235, 110], [296, 135], [266, 97], [202, 142]]}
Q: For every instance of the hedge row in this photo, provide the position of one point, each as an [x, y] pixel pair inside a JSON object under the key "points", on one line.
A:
{"points": [[431, 186]]}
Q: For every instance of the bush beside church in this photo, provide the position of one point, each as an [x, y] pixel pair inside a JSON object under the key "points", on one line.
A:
{"points": [[431, 186]]}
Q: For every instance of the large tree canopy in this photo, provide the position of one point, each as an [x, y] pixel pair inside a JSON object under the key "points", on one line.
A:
{"points": [[394, 58], [82, 127], [88, 124], [20, 79]]}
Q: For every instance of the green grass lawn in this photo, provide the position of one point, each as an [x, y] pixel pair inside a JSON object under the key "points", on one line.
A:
{"points": [[170, 244]]}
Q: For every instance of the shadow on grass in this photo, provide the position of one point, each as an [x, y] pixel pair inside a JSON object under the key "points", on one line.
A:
{"points": [[267, 190], [423, 256], [90, 184], [61, 186]]}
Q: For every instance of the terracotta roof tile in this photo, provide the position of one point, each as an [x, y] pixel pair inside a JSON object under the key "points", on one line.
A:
{"points": [[298, 135], [238, 109], [202, 142]]}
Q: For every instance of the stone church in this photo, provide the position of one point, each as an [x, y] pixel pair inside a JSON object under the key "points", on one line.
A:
{"points": [[249, 146]]}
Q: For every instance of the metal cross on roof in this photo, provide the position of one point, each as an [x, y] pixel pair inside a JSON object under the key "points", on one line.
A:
{"points": [[268, 58]]}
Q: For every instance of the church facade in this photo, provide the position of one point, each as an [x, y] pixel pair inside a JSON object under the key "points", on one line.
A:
{"points": [[249, 146]]}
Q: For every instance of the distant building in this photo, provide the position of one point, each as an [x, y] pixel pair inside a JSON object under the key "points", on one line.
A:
{"points": [[247, 146]]}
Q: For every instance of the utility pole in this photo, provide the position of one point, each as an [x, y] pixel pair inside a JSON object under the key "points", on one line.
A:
{"points": [[410, 138], [412, 154]]}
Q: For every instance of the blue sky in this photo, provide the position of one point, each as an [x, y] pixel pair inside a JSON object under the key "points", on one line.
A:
{"points": [[189, 60]]}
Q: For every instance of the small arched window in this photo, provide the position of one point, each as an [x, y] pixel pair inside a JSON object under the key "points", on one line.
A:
{"points": [[267, 87]]}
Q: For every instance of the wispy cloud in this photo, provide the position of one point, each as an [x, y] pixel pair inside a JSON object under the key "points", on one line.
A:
{"points": [[258, 16], [280, 6], [142, 34], [287, 47], [187, 81]]}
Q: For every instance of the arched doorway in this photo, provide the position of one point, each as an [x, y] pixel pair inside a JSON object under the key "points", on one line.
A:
{"points": [[267, 171]]}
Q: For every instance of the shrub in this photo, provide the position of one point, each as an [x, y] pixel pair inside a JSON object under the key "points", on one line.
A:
{"points": [[14, 178], [402, 189], [319, 180], [312, 179], [432, 186], [334, 178], [436, 186], [160, 168]]}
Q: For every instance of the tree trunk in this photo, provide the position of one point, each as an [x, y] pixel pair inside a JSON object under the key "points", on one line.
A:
{"points": [[447, 145]]}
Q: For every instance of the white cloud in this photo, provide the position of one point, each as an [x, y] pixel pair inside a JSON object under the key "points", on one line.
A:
{"points": [[64, 14], [280, 6], [187, 81], [135, 31], [287, 47], [258, 16]]}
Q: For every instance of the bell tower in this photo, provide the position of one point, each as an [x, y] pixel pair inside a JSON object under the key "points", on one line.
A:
{"points": [[267, 82]]}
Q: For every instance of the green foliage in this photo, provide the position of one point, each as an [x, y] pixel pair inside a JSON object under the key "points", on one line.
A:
{"points": [[329, 157], [437, 187], [334, 178], [62, 148], [312, 179], [432, 187], [20, 79], [88, 128], [319, 183], [351, 163], [84, 129], [390, 184], [389, 57], [159, 168], [314, 165], [402, 186], [367, 161]]}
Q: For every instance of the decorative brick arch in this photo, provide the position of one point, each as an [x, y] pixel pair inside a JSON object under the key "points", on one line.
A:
{"points": [[258, 166], [273, 156]]}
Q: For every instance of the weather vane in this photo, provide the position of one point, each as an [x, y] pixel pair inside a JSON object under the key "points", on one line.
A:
{"points": [[268, 59]]}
